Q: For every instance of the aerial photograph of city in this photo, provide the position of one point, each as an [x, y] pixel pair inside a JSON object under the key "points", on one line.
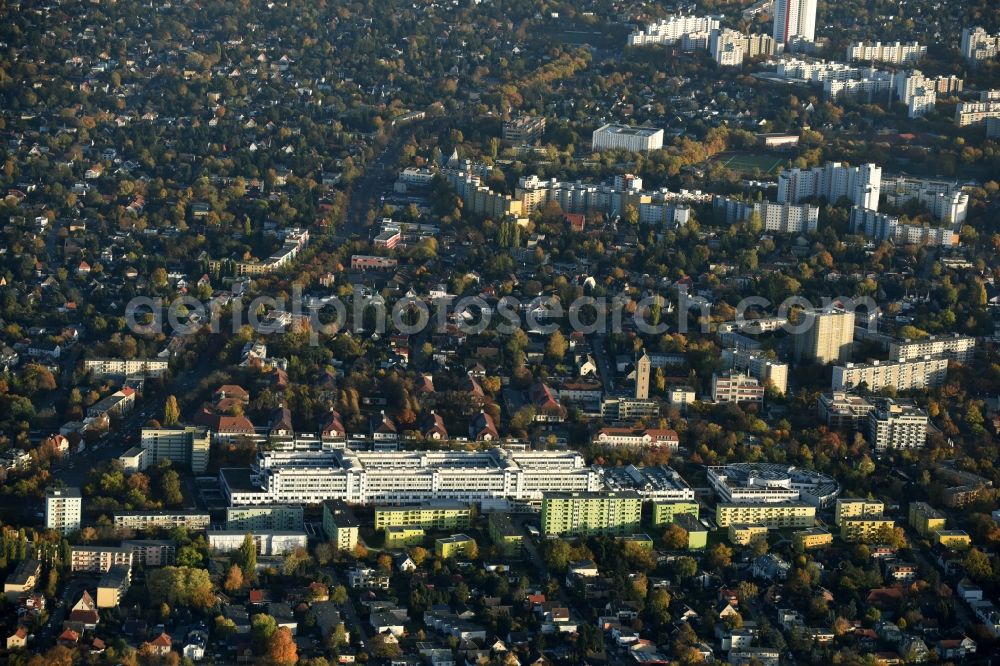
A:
{"points": [[499, 332]]}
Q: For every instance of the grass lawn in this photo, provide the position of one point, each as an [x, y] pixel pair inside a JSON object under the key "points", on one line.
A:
{"points": [[749, 163]]}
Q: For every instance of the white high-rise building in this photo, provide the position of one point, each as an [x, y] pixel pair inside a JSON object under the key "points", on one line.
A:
{"points": [[794, 19], [780, 217], [730, 386], [882, 226], [979, 45], [62, 509], [954, 347], [895, 53], [900, 375], [759, 366], [729, 47], [977, 113], [918, 92], [673, 29], [896, 425], [860, 184]]}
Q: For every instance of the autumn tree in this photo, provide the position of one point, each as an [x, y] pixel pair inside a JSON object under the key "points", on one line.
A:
{"points": [[281, 648], [720, 556], [294, 561], [659, 605], [684, 568], [246, 557], [262, 628], [171, 412], [234, 580], [419, 555], [746, 591], [675, 537], [339, 595], [555, 348]]}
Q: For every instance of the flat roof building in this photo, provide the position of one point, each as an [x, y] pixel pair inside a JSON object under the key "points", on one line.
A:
{"points": [[340, 524], [441, 515], [772, 482], [658, 482], [897, 425], [623, 137], [63, 507], [775, 515], [23, 579], [405, 477], [163, 519], [843, 410], [857, 507], [591, 513], [113, 585], [275, 542], [264, 517]]}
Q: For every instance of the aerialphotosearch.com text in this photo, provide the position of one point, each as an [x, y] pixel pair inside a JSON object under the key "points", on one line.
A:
{"points": [[651, 315]]}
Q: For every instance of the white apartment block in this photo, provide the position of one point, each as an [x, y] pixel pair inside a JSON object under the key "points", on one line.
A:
{"points": [[898, 426], [126, 367], [265, 517], [294, 242], [268, 543], [919, 92], [152, 552], [98, 559], [839, 409], [406, 477], [417, 176], [901, 375], [730, 48], [978, 45], [977, 113], [63, 507], [860, 184], [769, 483], [921, 102], [882, 226], [794, 20], [819, 71], [756, 326], [623, 137], [524, 130], [672, 30], [162, 519], [837, 78], [786, 217], [766, 370], [184, 445], [945, 200], [896, 53], [953, 347], [736, 387], [870, 86]]}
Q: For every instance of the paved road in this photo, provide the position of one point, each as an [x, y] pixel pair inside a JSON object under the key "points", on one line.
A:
{"points": [[378, 176], [73, 470], [353, 624], [599, 344]]}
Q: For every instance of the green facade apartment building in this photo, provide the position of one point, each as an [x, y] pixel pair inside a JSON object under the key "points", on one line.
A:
{"points": [[591, 512], [430, 516]]}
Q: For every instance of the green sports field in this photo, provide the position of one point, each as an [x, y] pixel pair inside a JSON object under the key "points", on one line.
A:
{"points": [[747, 163]]}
